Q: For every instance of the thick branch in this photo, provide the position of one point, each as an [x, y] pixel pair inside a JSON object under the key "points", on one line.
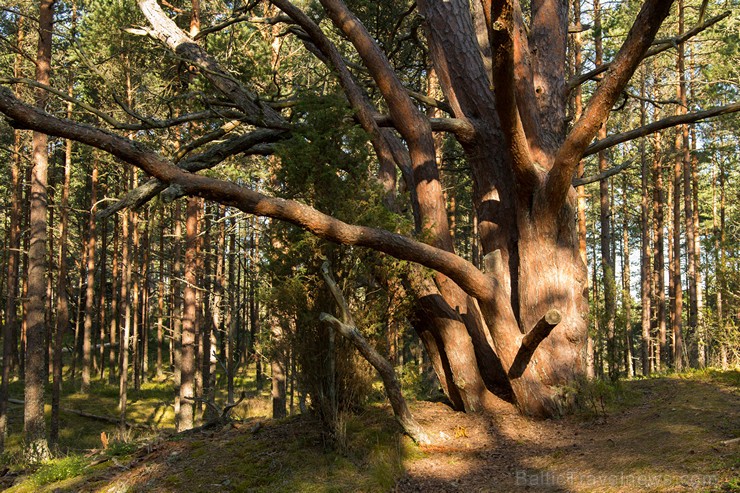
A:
{"points": [[667, 122], [465, 274], [461, 128], [532, 339], [501, 33], [390, 382], [552, 196], [659, 46]]}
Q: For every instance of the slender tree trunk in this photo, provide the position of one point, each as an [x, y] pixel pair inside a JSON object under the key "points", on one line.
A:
{"points": [[626, 294], [674, 253], [177, 307], [160, 298], [700, 326], [90, 289], [102, 296], [188, 364], [145, 300], [662, 355], [125, 338], [231, 318], [62, 320], [720, 268], [115, 313], [646, 293], [135, 292], [277, 370], [683, 153], [10, 328], [36, 446], [607, 259]]}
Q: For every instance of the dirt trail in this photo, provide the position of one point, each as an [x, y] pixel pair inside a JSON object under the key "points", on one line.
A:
{"points": [[669, 439]]}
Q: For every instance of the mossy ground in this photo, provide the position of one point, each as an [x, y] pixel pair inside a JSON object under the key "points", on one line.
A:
{"points": [[663, 434]]}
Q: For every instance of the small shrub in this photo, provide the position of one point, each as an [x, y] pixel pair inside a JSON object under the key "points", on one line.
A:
{"points": [[118, 448], [593, 397], [59, 470]]}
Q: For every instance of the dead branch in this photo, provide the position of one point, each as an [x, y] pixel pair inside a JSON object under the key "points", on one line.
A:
{"points": [[392, 388]]}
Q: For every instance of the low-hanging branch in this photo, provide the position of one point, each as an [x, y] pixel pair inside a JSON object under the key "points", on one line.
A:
{"points": [[464, 273]]}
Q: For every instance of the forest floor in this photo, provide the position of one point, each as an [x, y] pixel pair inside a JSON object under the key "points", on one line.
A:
{"points": [[666, 434]]}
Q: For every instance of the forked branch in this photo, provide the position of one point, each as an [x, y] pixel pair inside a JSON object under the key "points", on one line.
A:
{"points": [[552, 196]]}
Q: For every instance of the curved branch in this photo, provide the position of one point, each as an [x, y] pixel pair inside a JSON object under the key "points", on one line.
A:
{"points": [[651, 128], [464, 273]]}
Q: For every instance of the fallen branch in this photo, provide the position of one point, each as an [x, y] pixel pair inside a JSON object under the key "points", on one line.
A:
{"points": [[106, 419]]}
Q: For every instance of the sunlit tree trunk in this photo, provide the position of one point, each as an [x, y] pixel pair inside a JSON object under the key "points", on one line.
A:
{"points": [[36, 446], [188, 363]]}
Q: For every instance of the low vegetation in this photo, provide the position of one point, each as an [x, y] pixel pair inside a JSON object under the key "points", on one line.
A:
{"points": [[663, 434]]}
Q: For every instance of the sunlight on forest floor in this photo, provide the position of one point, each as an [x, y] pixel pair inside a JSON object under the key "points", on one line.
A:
{"points": [[662, 434]]}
